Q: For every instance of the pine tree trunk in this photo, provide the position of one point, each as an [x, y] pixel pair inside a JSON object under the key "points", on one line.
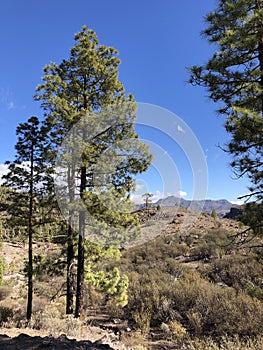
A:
{"points": [[70, 242], [260, 48], [81, 256], [80, 277], [70, 262], [30, 274], [30, 238]]}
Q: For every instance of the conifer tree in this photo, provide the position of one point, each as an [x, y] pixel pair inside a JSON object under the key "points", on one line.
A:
{"points": [[79, 87], [233, 77], [29, 178], [147, 199], [1, 257]]}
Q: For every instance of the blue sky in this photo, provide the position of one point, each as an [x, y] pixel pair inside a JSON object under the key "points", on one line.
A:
{"points": [[156, 41]]}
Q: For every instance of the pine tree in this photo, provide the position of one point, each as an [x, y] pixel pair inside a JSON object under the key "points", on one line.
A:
{"points": [[233, 77], [112, 283], [28, 177], [214, 214], [1, 257], [147, 199], [77, 90]]}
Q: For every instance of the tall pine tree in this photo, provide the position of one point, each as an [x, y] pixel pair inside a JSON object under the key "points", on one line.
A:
{"points": [[29, 178], [233, 76], [81, 86]]}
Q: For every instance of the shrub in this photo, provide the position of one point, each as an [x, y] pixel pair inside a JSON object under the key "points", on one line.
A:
{"points": [[5, 291], [212, 310], [134, 341], [50, 320], [176, 330], [5, 314], [225, 343], [239, 272]]}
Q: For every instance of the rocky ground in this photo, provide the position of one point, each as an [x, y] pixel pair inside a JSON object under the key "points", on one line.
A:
{"points": [[28, 339], [26, 342]]}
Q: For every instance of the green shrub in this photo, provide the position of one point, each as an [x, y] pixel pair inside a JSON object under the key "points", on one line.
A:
{"points": [[177, 331]]}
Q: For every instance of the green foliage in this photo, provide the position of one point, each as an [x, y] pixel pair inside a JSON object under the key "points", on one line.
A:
{"points": [[176, 330], [147, 199], [213, 214], [29, 178], [109, 282], [2, 259], [252, 216], [1, 235], [233, 77], [80, 97]]}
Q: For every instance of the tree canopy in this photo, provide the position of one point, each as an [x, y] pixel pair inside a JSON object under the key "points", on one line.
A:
{"points": [[233, 77], [100, 150]]}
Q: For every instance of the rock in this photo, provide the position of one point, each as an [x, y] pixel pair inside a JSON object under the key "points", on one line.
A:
{"points": [[234, 213]]}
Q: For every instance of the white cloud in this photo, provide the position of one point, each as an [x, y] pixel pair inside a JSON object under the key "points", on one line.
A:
{"points": [[3, 171], [137, 198], [237, 202], [139, 186], [181, 194]]}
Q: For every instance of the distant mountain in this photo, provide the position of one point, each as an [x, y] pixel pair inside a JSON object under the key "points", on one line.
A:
{"points": [[221, 206]]}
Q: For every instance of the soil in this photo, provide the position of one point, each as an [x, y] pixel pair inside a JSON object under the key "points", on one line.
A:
{"points": [[26, 342], [29, 339]]}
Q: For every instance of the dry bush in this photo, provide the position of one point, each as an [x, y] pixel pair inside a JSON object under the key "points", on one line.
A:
{"points": [[203, 308], [175, 330], [134, 340], [49, 319], [225, 344], [5, 291], [5, 314], [114, 310], [239, 272], [211, 310]]}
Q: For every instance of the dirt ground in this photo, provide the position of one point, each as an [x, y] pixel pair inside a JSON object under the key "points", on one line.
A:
{"points": [[28, 339]]}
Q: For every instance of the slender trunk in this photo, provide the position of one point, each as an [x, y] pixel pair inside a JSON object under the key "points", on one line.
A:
{"points": [[260, 55], [70, 244], [260, 49], [81, 256], [70, 263], [80, 275], [30, 238]]}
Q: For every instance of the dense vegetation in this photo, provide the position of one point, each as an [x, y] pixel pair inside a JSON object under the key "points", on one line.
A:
{"points": [[181, 287]]}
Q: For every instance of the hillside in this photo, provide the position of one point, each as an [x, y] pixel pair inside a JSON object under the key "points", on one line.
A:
{"points": [[182, 272]]}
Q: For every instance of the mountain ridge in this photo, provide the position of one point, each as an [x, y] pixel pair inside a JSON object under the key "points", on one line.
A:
{"points": [[221, 206]]}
